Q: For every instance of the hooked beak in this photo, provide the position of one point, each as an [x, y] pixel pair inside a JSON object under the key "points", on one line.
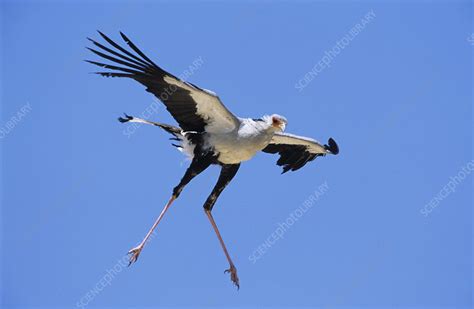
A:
{"points": [[279, 125]]}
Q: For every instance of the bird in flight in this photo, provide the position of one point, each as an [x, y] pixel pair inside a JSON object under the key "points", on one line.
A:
{"points": [[208, 132]]}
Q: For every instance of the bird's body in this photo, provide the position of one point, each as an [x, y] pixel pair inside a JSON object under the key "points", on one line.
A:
{"points": [[208, 132], [243, 143]]}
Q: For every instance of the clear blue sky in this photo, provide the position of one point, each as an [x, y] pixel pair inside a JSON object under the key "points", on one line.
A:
{"points": [[77, 193]]}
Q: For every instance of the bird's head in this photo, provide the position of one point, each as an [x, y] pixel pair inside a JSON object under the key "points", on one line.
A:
{"points": [[278, 122]]}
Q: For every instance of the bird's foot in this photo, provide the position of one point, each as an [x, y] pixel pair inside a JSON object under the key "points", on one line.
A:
{"points": [[233, 275], [134, 253], [126, 119]]}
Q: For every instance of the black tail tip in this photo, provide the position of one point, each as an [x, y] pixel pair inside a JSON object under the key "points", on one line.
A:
{"points": [[332, 146], [126, 119]]}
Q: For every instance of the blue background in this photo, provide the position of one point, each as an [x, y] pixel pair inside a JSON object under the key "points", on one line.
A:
{"points": [[77, 193]]}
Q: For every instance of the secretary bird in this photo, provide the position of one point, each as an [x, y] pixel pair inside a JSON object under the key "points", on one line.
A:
{"points": [[208, 132]]}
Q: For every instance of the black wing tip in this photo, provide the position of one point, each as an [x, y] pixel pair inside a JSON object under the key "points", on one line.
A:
{"points": [[332, 146], [103, 65], [94, 63], [102, 34], [291, 168]]}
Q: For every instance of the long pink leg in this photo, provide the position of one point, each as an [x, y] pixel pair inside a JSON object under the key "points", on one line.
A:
{"points": [[135, 252], [232, 270], [198, 165]]}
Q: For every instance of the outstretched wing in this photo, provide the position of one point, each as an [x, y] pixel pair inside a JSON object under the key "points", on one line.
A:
{"points": [[194, 108], [295, 151]]}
